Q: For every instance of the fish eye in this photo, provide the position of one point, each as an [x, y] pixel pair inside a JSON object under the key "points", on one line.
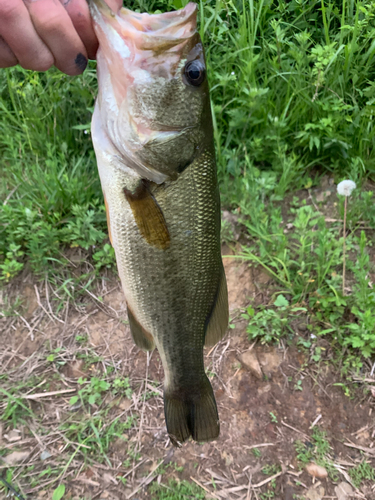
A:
{"points": [[195, 73]]}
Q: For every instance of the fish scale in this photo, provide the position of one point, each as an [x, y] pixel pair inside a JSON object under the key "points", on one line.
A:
{"points": [[153, 141]]}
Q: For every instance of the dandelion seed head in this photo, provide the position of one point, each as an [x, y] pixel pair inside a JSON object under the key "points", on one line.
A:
{"points": [[345, 188]]}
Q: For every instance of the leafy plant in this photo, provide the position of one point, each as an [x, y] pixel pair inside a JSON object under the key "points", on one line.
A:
{"points": [[316, 450], [361, 472], [270, 324], [91, 392], [59, 492]]}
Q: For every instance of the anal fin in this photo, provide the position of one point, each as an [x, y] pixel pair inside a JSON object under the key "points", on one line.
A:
{"points": [[142, 338], [218, 322], [148, 216]]}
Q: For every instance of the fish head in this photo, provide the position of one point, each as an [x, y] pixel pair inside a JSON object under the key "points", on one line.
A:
{"points": [[153, 91]]}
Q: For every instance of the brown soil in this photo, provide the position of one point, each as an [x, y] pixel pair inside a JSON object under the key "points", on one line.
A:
{"points": [[269, 413]]}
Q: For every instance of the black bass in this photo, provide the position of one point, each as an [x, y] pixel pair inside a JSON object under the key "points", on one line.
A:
{"points": [[153, 139]]}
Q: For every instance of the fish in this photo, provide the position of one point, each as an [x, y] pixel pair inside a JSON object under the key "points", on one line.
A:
{"points": [[153, 138]]}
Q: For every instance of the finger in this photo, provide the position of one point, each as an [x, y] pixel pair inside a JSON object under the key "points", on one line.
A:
{"points": [[56, 29], [115, 5], [79, 13], [18, 32], [7, 58]]}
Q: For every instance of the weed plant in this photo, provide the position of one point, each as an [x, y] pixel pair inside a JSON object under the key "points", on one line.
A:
{"points": [[177, 490], [362, 472], [292, 87], [316, 450], [305, 260]]}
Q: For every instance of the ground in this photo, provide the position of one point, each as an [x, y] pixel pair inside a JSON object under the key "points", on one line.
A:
{"points": [[279, 409]]}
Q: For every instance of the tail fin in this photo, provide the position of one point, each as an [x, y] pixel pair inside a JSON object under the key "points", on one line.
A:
{"points": [[191, 411]]}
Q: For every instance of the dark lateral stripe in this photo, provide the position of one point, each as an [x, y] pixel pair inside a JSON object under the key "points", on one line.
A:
{"points": [[148, 216]]}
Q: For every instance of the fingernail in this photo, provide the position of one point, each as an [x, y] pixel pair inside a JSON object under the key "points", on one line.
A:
{"points": [[81, 62]]}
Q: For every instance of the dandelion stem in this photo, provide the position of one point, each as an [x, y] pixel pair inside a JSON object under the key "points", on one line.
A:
{"points": [[344, 248]]}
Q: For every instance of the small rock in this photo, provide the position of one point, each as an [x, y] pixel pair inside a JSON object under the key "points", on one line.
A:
{"points": [[316, 471], [108, 478], [227, 457], [270, 361], [13, 436], [233, 230], [125, 404], [45, 454], [250, 362], [363, 438], [320, 196], [323, 195], [75, 369], [314, 493], [264, 389], [16, 457], [344, 491]]}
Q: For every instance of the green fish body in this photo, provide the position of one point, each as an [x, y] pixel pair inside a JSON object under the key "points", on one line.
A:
{"points": [[153, 138]]}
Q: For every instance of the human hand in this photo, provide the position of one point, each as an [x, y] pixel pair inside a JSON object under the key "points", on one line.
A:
{"points": [[38, 34]]}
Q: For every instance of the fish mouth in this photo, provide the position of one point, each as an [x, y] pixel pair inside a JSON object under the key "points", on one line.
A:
{"points": [[138, 52], [157, 32], [137, 48]]}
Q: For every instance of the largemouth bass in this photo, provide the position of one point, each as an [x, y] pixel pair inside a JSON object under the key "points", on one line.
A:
{"points": [[153, 138]]}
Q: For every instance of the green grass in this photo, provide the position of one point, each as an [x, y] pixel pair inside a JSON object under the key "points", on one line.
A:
{"points": [[293, 93], [305, 262], [317, 450], [177, 490], [88, 425], [362, 472]]}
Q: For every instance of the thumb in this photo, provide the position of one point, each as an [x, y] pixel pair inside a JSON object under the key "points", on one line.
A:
{"points": [[115, 5]]}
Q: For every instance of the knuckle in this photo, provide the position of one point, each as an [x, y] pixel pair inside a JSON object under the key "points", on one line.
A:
{"points": [[7, 62], [9, 10], [80, 21], [41, 64], [52, 23], [7, 58]]}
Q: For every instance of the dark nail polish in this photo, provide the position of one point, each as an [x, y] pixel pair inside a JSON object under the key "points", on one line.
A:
{"points": [[81, 61]]}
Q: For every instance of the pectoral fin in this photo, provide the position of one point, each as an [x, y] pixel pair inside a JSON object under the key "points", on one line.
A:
{"points": [[148, 216], [218, 323], [142, 338]]}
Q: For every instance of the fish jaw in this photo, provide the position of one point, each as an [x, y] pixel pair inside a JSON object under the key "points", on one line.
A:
{"points": [[139, 47], [139, 61]]}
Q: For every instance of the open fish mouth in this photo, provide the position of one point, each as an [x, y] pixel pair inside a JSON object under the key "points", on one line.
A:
{"points": [[156, 32], [141, 60]]}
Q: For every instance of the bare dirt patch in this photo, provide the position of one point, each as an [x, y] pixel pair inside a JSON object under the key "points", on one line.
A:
{"points": [[268, 421]]}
